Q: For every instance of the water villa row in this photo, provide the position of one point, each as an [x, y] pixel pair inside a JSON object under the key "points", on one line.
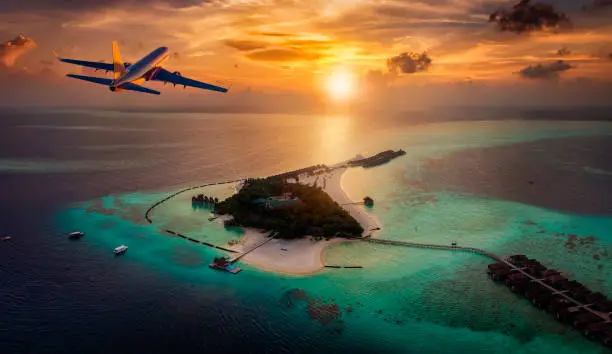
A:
{"points": [[378, 159], [203, 199], [570, 301]]}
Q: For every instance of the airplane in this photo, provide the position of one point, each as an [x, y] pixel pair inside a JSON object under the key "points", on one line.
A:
{"points": [[129, 77]]}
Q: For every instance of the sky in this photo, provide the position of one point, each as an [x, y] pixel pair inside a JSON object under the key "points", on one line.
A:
{"points": [[287, 53]]}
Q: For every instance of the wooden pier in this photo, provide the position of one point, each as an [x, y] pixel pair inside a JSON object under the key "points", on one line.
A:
{"points": [[434, 246], [237, 257]]}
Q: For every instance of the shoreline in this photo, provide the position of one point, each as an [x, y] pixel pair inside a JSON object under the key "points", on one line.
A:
{"points": [[304, 256]]}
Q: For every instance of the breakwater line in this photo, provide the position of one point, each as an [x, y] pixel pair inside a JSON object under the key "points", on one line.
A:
{"points": [[177, 234], [150, 209]]}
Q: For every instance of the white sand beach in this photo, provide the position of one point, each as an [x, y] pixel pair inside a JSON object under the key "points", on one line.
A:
{"points": [[303, 256]]}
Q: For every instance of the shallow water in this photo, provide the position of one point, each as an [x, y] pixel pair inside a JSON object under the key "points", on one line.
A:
{"points": [[161, 294]]}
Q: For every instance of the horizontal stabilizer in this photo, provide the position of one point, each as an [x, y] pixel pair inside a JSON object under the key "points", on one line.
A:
{"points": [[133, 87], [95, 80]]}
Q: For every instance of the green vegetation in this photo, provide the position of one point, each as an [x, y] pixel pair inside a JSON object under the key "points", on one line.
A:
{"points": [[316, 214]]}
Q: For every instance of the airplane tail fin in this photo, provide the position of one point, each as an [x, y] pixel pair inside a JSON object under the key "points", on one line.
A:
{"points": [[118, 66]]}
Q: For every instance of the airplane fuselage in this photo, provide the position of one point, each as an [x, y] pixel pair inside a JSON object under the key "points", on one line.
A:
{"points": [[132, 76], [138, 70]]}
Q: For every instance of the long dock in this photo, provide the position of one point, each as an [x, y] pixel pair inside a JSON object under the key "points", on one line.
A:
{"points": [[434, 246], [237, 257]]}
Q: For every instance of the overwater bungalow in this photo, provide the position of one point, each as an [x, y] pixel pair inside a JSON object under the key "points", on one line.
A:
{"points": [[498, 271], [517, 282], [220, 263], [582, 320], [204, 199], [595, 297], [597, 330], [550, 273], [558, 304], [518, 259], [607, 339], [367, 201], [604, 306]]}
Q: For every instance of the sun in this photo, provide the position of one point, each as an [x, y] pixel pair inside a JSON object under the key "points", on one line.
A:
{"points": [[340, 85]]}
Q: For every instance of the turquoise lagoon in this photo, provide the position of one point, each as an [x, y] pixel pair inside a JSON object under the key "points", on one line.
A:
{"points": [[404, 299]]}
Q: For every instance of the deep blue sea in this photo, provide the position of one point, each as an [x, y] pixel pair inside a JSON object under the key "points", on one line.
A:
{"points": [[97, 171]]}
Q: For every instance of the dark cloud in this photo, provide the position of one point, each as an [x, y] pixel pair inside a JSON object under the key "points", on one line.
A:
{"points": [[409, 63], [13, 49], [529, 17], [282, 54], [564, 52], [245, 44], [545, 71], [597, 5]]}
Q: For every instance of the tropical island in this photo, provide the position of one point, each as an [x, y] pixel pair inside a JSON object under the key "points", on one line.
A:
{"points": [[285, 221], [293, 210]]}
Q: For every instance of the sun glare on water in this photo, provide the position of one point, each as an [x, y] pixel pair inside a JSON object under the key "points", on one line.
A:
{"points": [[340, 85]]}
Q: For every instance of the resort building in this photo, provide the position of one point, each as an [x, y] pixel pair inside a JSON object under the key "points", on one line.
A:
{"points": [[278, 201]]}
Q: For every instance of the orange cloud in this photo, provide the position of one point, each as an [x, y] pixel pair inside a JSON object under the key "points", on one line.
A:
{"points": [[282, 54], [11, 50], [245, 45]]}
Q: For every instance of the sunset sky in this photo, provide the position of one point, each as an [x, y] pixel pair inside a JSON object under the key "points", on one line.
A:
{"points": [[288, 48]]}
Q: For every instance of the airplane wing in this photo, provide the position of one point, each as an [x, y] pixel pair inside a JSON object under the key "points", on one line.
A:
{"points": [[89, 64], [95, 80], [134, 87], [176, 79], [130, 86]]}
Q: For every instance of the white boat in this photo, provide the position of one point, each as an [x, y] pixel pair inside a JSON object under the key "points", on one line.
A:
{"points": [[121, 249], [76, 234]]}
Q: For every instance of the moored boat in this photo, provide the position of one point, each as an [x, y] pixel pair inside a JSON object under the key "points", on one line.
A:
{"points": [[121, 249], [76, 235]]}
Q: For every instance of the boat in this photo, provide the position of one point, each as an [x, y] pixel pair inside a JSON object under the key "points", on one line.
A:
{"points": [[5, 238], [233, 269], [121, 249], [76, 235]]}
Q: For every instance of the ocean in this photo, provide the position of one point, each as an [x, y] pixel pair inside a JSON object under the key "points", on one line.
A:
{"points": [[502, 185]]}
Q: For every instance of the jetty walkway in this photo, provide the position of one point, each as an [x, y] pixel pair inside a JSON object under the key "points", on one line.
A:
{"points": [[435, 246], [237, 257]]}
